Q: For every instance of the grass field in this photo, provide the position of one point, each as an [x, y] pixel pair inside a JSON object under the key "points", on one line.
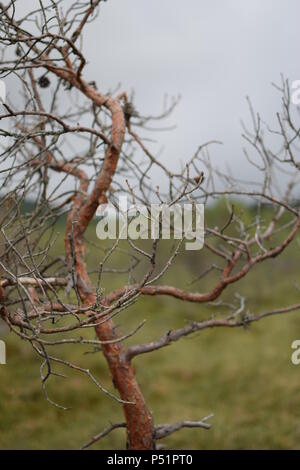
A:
{"points": [[244, 377]]}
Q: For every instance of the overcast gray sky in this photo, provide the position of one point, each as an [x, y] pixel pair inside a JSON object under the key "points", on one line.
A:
{"points": [[211, 52]]}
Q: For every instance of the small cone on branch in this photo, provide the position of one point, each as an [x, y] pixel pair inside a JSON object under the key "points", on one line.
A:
{"points": [[200, 178], [44, 81], [129, 111]]}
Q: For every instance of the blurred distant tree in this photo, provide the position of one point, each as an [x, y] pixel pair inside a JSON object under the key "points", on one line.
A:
{"points": [[58, 122]]}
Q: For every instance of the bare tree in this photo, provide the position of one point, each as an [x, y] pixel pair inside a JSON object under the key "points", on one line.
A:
{"points": [[52, 301]]}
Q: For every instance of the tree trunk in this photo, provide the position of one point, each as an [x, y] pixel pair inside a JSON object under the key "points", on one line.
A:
{"points": [[138, 417]]}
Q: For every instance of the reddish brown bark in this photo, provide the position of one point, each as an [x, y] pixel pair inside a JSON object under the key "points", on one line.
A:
{"points": [[138, 417]]}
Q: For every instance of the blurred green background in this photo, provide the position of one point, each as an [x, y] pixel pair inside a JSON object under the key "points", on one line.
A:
{"points": [[244, 376]]}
